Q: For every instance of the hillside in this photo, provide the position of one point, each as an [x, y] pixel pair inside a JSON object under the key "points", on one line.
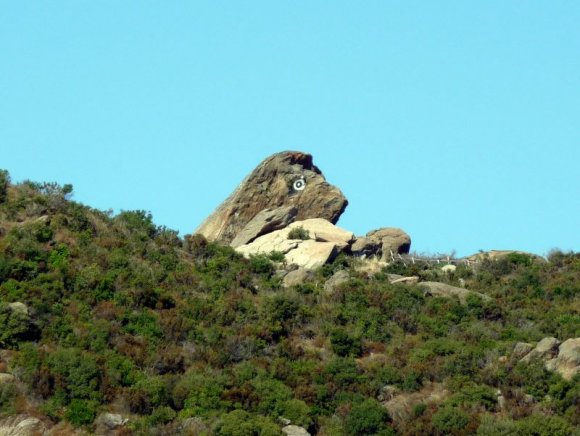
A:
{"points": [[112, 324]]}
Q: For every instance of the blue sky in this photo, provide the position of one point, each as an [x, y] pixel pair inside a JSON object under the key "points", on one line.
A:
{"points": [[456, 121]]}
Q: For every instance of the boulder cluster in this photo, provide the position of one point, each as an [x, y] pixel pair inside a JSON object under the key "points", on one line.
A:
{"points": [[286, 205]]}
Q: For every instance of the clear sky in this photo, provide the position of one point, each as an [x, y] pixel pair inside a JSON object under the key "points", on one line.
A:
{"points": [[457, 121]]}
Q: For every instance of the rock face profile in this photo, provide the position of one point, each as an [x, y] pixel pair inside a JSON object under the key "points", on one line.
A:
{"points": [[284, 180]]}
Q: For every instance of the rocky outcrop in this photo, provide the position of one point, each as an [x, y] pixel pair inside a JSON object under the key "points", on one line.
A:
{"points": [[443, 290], [563, 358], [287, 179], [264, 222], [325, 242], [391, 239]]}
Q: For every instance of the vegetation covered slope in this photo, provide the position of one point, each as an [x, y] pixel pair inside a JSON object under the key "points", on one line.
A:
{"points": [[124, 316]]}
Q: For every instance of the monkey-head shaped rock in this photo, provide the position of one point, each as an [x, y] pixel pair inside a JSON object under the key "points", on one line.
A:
{"points": [[284, 179]]}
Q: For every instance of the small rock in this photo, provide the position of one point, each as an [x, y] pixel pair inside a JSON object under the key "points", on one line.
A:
{"points": [[284, 421], [19, 307], [294, 430], [6, 378], [336, 280], [111, 420], [449, 269]]}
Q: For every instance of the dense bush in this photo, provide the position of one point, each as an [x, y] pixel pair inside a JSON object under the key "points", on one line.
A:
{"points": [[125, 315]]}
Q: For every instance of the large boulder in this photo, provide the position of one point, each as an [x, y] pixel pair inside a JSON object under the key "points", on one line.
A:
{"points": [[264, 222], [325, 241], [312, 254], [282, 180], [567, 363], [365, 247], [545, 349], [392, 240]]}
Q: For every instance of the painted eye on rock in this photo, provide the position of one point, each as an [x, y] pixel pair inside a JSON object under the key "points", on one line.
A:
{"points": [[299, 184]]}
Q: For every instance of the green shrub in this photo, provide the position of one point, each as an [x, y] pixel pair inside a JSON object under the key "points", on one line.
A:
{"points": [[299, 233], [241, 423], [77, 373], [4, 183], [450, 420], [296, 411], [344, 344], [161, 415], [13, 326], [81, 412], [366, 418], [8, 395], [538, 425]]}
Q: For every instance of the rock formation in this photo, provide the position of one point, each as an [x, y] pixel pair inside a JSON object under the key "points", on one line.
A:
{"points": [[287, 179], [323, 243], [563, 358]]}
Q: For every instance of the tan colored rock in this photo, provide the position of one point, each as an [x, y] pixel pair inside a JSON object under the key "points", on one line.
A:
{"points": [[275, 241], [22, 425], [567, 363], [337, 279], [365, 247], [264, 222], [6, 378], [294, 430], [324, 231], [312, 254], [443, 290], [284, 179], [392, 240], [19, 307], [449, 269], [298, 277], [522, 348], [546, 349], [413, 280]]}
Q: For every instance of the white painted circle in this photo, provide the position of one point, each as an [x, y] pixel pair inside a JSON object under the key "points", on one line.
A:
{"points": [[299, 185]]}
